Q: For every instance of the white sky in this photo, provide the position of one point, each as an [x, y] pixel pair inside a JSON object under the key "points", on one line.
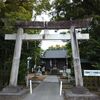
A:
{"points": [[45, 44], [48, 43]]}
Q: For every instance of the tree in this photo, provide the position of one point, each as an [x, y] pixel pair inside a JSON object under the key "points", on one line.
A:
{"points": [[57, 47], [64, 10], [10, 12], [79, 9]]}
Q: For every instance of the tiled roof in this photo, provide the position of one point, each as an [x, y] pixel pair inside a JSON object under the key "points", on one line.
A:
{"points": [[55, 54]]}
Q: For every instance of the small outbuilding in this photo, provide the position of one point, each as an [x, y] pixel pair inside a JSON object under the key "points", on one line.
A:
{"points": [[55, 58]]}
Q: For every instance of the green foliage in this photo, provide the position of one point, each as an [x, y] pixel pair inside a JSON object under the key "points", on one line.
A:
{"points": [[41, 6], [69, 50], [22, 72], [64, 10], [89, 49], [6, 54], [57, 47], [10, 12]]}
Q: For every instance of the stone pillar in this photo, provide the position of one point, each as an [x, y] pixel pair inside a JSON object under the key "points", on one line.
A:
{"points": [[76, 58], [16, 58]]}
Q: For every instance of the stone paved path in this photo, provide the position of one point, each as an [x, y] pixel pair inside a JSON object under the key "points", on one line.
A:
{"points": [[47, 90]]}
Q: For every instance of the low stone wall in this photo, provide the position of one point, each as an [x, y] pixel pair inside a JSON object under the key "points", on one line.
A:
{"points": [[11, 97], [68, 95], [92, 82], [14, 96]]}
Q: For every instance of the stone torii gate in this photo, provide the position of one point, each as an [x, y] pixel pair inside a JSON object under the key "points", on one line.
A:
{"points": [[48, 25]]}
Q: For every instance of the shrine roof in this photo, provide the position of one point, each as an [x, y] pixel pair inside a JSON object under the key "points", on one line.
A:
{"points": [[62, 53]]}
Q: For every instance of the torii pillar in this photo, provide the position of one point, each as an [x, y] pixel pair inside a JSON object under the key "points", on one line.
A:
{"points": [[79, 89], [13, 88], [16, 58], [76, 58]]}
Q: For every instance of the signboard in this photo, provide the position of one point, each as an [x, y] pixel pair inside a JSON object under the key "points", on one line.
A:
{"points": [[91, 72], [68, 71]]}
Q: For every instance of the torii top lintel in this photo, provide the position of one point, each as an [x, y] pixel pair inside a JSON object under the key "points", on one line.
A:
{"points": [[54, 24]]}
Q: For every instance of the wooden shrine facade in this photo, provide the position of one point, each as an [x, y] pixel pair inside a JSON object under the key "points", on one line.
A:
{"points": [[55, 58]]}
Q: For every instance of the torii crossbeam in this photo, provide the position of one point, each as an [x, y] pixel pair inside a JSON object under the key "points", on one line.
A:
{"points": [[30, 37], [50, 25], [54, 24]]}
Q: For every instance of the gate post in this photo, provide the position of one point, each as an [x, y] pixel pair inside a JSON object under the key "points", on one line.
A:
{"points": [[76, 58], [16, 58]]}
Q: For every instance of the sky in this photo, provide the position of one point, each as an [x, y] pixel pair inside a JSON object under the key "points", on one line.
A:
{"points": [[45, 44]]}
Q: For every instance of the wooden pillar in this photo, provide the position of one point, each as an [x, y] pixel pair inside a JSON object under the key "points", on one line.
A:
{"points": [[76, 58], [16, 58], [50, 63]]}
